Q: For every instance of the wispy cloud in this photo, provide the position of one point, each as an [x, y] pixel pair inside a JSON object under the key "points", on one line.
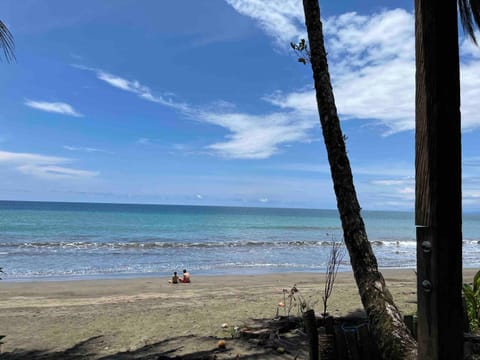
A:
{"points": [[250, 136], [43, 166], [55, 172], [85, 149], [135, 87], [398, 169], [76, 56], [148, 141], [53, 107], [144, 141]]}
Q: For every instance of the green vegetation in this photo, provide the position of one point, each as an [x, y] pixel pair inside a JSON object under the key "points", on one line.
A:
{"points": [[472, 299]]}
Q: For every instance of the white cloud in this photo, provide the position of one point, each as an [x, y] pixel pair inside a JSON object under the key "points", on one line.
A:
{"points": [[144, 141], [283, 20], [468, 47], [392, 193], [373, 70], [55, 172], [85, 149], [135, 87], [250, 136], [54, 107], [408, 191], [398, 169], [372, 63], [470, 87], [471, 162], [43, 166], [257, 136], [471, 182], [11, 157], [388, 182]]}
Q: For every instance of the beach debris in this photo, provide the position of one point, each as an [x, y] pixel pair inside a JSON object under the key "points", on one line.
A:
{"points": [[281, 304], [281, 350], [225, 325], [257, 333], [221, 344]]}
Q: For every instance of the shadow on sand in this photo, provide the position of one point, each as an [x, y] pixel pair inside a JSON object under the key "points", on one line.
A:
{"points": [[279, 346]]}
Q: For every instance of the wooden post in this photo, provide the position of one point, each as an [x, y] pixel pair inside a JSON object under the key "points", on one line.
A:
{"points": [[438, 208], [310, 323]]}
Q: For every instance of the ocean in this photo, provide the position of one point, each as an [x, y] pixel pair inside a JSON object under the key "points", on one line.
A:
{"points": [[55, 241]]}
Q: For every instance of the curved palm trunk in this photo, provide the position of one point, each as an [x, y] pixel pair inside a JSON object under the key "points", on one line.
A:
{"points": [[392, 336]]}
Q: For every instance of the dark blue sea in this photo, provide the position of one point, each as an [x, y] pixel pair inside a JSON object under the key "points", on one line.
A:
{"points": [[54, 241]]}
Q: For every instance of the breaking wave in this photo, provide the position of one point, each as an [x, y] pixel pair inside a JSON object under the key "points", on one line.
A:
{"points": [[178, 244]]}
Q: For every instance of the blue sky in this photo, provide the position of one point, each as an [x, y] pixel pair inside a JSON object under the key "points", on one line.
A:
{"points": [[203, 102]]}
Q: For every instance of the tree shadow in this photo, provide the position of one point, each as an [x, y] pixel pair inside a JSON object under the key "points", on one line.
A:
{"points": [[191, 347]]}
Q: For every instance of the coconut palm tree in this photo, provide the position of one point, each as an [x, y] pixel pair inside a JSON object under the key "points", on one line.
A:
{"points": [[392, 336], [6, 43], [438, 213]]}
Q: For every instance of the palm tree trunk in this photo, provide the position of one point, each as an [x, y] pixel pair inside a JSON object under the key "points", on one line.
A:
{"points": [[392, 336]]}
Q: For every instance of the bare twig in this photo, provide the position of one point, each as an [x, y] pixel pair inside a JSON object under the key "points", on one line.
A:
{"points": [[337, 253]]}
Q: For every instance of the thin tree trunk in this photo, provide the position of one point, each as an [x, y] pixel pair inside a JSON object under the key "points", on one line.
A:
{"points": [[391, 335]]}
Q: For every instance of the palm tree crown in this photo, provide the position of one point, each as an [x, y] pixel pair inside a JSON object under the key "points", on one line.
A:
{"points": [[6, 43], [470, 16]]}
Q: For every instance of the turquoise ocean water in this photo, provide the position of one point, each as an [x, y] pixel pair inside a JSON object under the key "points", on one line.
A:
{"points": [[43, 240]]}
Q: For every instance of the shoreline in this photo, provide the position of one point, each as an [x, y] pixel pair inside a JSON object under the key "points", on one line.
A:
{"points": [[128, 314], [140, 276]]}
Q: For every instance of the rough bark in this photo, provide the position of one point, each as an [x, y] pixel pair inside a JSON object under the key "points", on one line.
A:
{"points": [[392, 336]]}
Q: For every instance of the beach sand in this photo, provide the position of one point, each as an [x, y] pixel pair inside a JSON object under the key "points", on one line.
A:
{"points": [[96, 318]]}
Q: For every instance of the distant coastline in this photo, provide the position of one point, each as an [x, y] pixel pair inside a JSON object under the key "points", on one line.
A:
{"points": [[173, 204]]}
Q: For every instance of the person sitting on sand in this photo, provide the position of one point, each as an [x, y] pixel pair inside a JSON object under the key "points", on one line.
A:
{"points": [[186, 277], [174, 278]]}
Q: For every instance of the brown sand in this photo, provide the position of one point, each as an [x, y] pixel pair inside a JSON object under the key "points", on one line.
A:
{"points": [[115, 316]]}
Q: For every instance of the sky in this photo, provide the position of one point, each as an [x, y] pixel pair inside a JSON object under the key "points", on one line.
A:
{"points": [[204, 103]]}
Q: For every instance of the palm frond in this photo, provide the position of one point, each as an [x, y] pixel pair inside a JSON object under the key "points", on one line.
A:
{"points": [[470, 16], [7, 43]]}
